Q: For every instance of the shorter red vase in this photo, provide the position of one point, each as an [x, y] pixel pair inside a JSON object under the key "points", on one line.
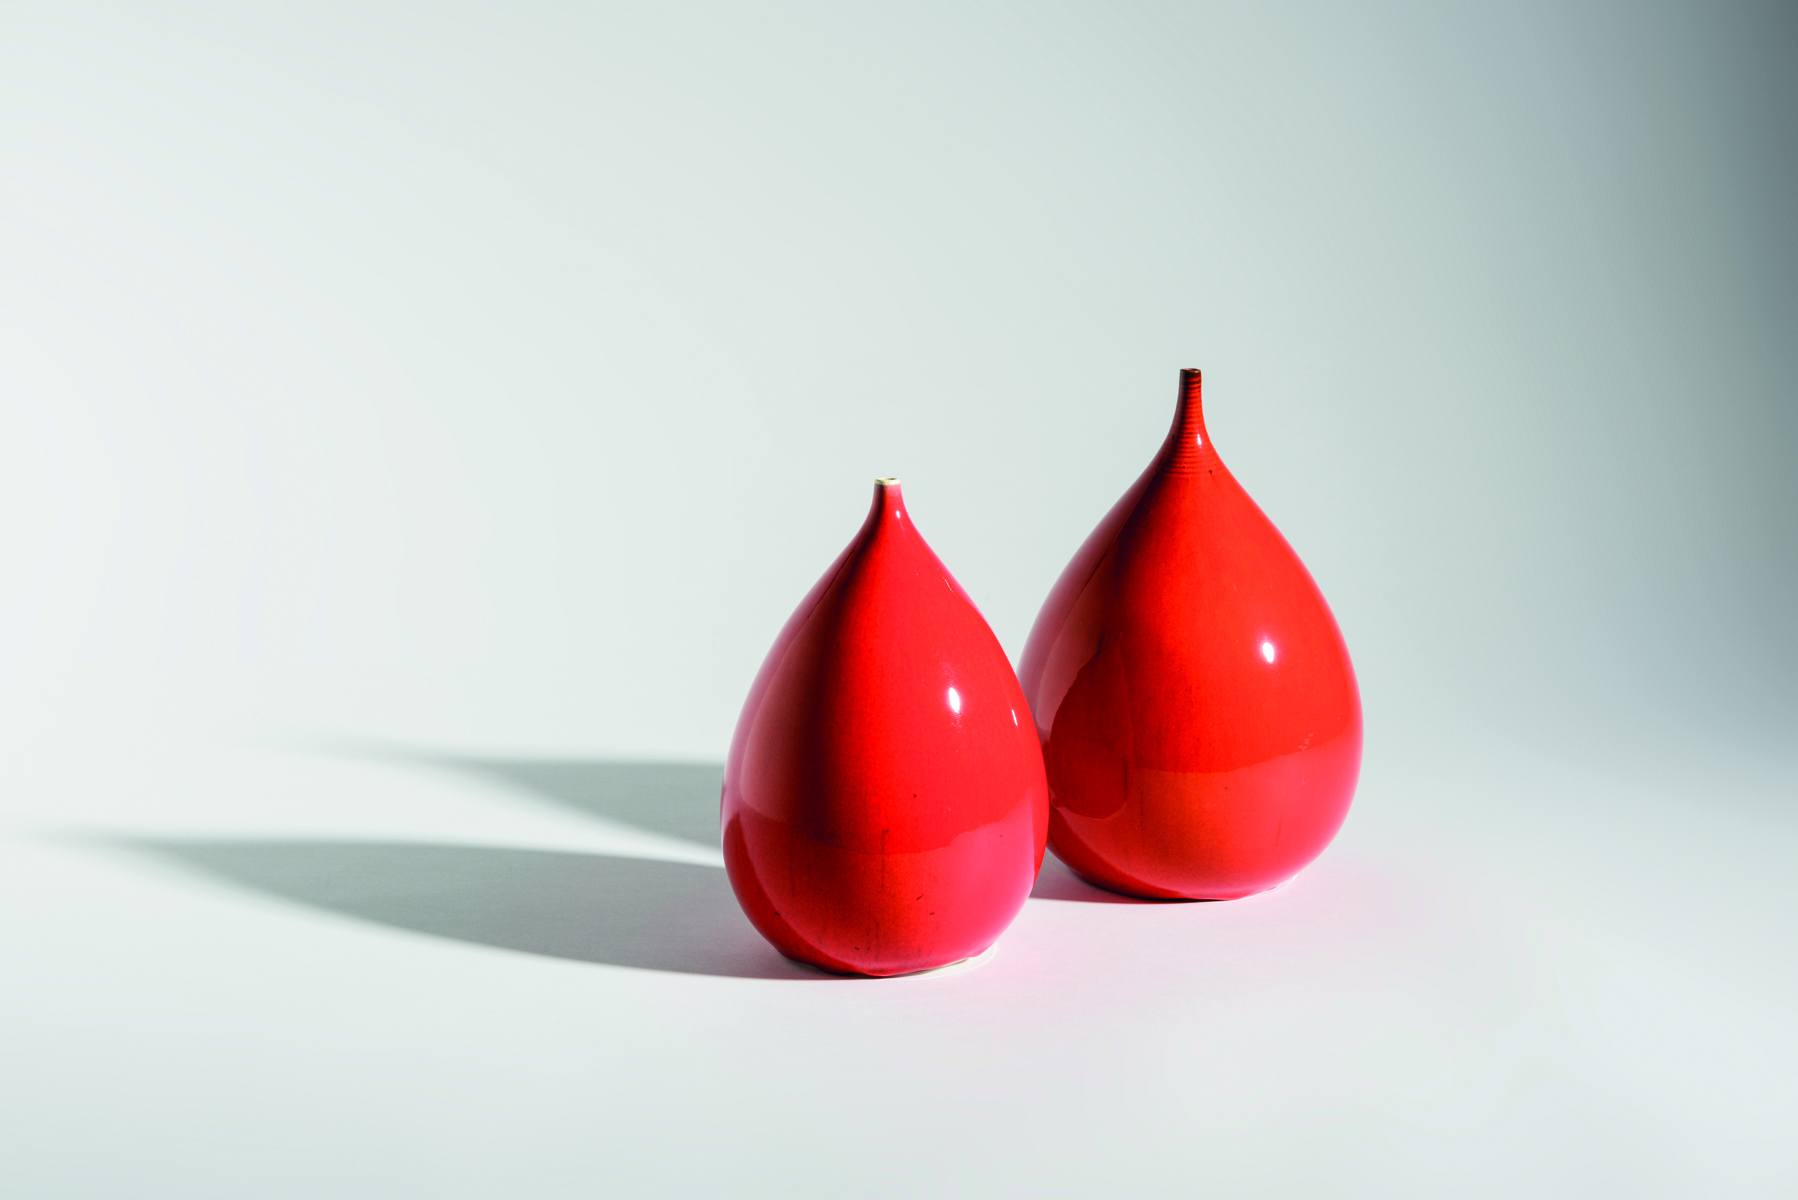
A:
{"points": [[1200, 721], [884, 803]]}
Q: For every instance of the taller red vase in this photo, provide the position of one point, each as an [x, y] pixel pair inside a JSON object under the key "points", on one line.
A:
{"points": [[884, 802], [1198, 712]]}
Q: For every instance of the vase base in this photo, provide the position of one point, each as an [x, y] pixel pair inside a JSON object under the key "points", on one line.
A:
{"points": [[1156, 895], [957, 967]]}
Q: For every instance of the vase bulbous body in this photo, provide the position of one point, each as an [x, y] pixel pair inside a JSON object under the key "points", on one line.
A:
{"points": [[884, 804], [1199, 717]]}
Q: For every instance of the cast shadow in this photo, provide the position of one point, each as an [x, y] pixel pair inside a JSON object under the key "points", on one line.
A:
{"points": [[676, 799], [1056, 882], [681, 800], [625, 912], [597, 908]]}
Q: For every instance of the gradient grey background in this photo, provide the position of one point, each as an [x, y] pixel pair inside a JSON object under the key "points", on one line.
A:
{"points": [[490, 381]]}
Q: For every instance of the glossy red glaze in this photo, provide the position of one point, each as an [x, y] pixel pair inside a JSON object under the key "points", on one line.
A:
{"points": [[884, 802], [1199, 717]]}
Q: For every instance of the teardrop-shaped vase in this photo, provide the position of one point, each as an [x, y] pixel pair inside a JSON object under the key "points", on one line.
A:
{"points": [[1200, 722], [884, 802]]}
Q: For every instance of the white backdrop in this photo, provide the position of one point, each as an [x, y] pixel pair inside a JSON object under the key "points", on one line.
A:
{"points": [[483, 384], [505, 375]]}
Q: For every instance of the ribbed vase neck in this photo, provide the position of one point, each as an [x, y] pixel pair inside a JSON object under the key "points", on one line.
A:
{"points": [[1189, 445]]}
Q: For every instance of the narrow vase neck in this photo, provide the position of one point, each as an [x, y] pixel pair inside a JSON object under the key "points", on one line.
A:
{"points": [[888, 507], [1188, 444]]}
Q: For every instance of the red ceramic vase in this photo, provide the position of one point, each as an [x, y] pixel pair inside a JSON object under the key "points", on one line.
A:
{"points": [[1198, 712], [884, 802]]}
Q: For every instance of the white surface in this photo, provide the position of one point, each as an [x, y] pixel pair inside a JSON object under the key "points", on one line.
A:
{"points": [[1507, 978], [417, 420], [504, 376]]}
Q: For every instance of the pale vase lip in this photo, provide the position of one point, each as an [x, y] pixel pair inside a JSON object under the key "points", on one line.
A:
{"points": [[889, 499]]}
